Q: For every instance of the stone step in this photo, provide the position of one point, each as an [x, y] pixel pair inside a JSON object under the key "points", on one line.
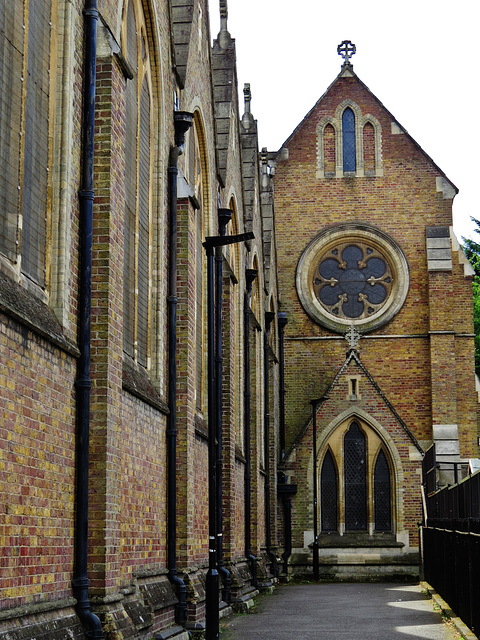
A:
{"points": [[368, 572], [367, 556], [358, 563]]}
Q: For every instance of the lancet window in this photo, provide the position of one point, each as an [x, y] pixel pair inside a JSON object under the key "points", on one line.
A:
{"points": [[349, 144], [25, 135], [138, 136]]}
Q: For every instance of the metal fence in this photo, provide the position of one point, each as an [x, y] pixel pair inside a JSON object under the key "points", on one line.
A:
{"points": [[438, 474], [451, 546]]}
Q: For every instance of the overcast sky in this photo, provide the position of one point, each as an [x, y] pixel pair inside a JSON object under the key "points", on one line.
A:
{"points": [[418, 57]]}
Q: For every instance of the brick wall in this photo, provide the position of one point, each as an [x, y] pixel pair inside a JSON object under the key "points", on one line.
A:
{"points": [[37, 449]]}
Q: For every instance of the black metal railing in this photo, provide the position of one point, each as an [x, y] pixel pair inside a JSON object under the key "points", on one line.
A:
{"points": [[429, 471], [451, 546], [439, 474]]}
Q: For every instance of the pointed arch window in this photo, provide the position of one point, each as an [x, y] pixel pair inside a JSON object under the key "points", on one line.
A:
{"points": [[234, 252], [355, 469], [356, 482], [138, 135], [382, 494], [25, 134], [349, 141], [329, 494], [196, 177], [329, 149], [255, 302], [369, 149]]}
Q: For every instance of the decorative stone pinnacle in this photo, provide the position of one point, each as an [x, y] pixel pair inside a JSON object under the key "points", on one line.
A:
{"points": [[248, 120], [352, 336], [224, 38], [248, 96], [346, 49], [223, 15]]}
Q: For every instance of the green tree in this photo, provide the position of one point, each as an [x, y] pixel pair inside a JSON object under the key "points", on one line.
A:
{"points": [[472, 251]]}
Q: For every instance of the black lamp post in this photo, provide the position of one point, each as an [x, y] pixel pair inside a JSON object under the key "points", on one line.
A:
{"points": [[315, 403], [211, 585]]}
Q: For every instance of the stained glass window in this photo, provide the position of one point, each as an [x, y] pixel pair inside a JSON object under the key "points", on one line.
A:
{"points": [[329, 490], [349, 145], [382, 494], [138, 135], [353, 280], [364, 503], [25, 135], [355, 479]]}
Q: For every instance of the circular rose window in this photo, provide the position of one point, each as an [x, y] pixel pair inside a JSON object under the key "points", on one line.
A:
{"points": [[352, 273]]}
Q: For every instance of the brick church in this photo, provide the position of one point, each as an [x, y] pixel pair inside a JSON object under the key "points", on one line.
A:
{"points": [[220, 367], [377, 294]]}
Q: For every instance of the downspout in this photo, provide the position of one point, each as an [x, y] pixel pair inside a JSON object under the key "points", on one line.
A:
{"points": [[286, 492], [269, 317], [250, 276], [182, 121], [224, 217], [88, 619], [282, 322]]}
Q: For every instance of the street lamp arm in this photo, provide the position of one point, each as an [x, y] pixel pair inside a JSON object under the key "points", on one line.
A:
{"points": [[221, 241]]}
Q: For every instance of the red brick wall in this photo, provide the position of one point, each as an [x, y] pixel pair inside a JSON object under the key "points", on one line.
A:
{"points": [[141, 521], [37, 450]]}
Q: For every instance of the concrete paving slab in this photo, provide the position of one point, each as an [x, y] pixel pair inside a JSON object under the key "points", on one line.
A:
{"points": [[341, 611]]}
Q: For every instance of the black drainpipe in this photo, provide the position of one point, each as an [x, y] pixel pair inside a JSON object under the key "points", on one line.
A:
{"points": [[269, 317], [224, 217], [89, 620], [286, 493], [282, 322], [182, 121], [250, 276]]}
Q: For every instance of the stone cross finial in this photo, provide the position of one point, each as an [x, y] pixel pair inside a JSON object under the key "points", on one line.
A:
{"points": [[346, 49], [352, 336]]}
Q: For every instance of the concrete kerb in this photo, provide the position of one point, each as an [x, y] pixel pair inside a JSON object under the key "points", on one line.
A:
{"points": [[457, 622]]}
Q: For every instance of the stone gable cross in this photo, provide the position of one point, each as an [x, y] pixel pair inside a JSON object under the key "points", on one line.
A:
{"points": [[346, 49]]}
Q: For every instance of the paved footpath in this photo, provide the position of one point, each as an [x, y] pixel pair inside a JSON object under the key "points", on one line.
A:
{"points": [[341, 612]]}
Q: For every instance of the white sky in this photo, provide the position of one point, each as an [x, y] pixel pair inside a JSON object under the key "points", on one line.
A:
{"points": [[418, 57]]}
